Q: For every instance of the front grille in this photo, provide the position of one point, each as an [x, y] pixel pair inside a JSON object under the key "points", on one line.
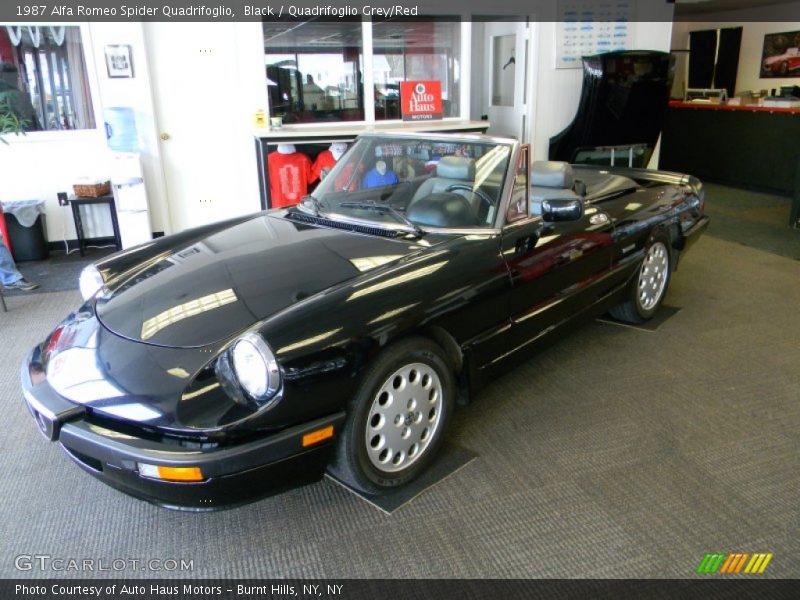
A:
{"points": [[303, 218]]}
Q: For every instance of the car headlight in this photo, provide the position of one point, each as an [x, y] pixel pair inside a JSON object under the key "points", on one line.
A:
{"points": [[255, 367], [90, 281]]}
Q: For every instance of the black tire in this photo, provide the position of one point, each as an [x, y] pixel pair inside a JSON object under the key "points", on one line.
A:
{"points": [[352, 463], [634, 309]]}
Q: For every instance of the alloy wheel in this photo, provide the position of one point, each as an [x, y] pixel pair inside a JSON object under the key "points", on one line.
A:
{"points": [[653, 276], [404, 417]]}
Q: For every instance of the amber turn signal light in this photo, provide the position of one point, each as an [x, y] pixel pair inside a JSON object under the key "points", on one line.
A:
{"points": [[171, 473], [315, 437]]}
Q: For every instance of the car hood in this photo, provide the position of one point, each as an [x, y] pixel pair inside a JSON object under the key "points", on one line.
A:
{"points": [[220, 285]]}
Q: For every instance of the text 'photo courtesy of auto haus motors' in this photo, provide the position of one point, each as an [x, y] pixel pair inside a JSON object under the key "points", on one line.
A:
{"points": [[186, 589], [245, 357]]}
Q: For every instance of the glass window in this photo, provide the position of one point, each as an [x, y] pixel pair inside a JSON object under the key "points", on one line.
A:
{"points": [[412, 50], [43, 77], [314, 70], [450, 183]]}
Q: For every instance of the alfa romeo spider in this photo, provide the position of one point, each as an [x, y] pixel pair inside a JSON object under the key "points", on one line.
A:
{"points": [[244, 357]]}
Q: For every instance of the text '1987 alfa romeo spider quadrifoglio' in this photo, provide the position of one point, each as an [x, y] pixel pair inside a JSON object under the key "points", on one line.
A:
{"points": [[241, 358]]}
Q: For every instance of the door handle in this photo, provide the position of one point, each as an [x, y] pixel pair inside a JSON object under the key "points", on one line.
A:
{"points": [[165, 136]]}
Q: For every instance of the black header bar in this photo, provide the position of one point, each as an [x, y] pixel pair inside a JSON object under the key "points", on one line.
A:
{"points": [[711, 587], [58, 11]]}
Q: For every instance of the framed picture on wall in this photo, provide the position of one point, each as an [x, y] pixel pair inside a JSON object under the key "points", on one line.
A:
{"points": [[781, 55], [118, 61]]}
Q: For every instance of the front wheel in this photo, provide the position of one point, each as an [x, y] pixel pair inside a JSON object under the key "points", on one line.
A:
{"points": [[397, 419], [648, 289]]}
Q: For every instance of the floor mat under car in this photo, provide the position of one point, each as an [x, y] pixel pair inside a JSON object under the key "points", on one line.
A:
{"points": [[664, 313], [451, 458]]}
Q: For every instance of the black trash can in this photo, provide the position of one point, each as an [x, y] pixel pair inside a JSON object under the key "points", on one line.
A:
{"points": [[27, 243]]}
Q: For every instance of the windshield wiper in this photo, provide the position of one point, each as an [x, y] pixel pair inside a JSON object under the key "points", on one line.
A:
{"points": [[315, 205], [386, 208]]}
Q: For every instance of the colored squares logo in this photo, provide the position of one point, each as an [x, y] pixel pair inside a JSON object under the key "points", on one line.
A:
{"points": [[734, 563]]}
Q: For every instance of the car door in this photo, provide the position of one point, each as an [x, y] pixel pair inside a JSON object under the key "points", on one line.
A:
{"points": [[556, 269]]}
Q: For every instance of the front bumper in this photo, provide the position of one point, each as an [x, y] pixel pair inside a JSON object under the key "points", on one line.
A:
{"points": [[693, 234], [232, 474]]}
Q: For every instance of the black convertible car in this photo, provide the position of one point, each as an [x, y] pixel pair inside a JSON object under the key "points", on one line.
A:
{"points": [[244, 357]]}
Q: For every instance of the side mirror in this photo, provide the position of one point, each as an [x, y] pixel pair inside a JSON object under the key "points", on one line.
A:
{"points": [[562, 209]]}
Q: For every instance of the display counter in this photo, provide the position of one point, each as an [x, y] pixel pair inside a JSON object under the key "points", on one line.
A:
{"points": [[740, 145], [733, 107], [310, 141]]}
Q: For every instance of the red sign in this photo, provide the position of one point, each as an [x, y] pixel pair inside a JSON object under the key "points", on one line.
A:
{"points": [[421, 100]]}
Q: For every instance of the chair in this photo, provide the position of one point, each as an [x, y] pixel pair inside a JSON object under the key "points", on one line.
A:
{"points": [[550, 180], [451, 170]]}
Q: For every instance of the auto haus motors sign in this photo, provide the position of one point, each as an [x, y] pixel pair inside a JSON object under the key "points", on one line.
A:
{"points": [[421, 100]]}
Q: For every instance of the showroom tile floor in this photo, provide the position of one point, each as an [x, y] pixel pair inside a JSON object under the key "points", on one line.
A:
{"points": [[617, 453]]}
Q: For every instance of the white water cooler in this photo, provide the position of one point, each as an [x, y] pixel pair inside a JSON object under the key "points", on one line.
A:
{"points": [[130, 197]]}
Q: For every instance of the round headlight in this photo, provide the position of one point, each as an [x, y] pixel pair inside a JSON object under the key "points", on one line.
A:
{"points": [[255, 366], [90, 281]]}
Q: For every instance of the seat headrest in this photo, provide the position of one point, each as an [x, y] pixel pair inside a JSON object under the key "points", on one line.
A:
{"points": [[552, 174], [456, 167]]}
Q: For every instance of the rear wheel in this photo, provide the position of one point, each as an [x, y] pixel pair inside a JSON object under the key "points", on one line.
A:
{"points": [[648, 289], [397, 419]]}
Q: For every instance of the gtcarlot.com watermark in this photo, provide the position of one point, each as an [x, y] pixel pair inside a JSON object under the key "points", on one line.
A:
{"points": [[50, 563]]}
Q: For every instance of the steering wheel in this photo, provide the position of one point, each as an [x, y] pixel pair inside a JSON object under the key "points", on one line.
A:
{"points": [[477, 192]]}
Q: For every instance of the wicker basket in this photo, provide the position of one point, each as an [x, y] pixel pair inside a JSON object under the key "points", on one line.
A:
{"points": [[92, 190]]}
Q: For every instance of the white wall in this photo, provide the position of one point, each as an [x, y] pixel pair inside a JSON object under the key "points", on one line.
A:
{"points": [[209, 81], [135, 93], [477, 68], [755, 24], [41, 164]]}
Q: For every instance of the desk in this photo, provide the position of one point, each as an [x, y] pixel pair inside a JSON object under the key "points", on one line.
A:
{"points": [[739, 145], [76, 204]]}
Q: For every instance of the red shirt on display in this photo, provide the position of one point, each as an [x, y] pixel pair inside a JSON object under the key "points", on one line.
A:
{"points": [[289, 176], [344, 177], [325, 160]]}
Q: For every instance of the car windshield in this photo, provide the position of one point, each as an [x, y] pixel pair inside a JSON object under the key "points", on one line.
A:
{"points": [[416, 182]]}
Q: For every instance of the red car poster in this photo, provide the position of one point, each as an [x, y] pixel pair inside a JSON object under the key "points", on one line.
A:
{"points": [[781, 55], [421, 100]]}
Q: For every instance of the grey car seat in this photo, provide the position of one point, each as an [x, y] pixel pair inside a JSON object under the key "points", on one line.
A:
{"points": [[451, 170], [550, 180]]}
